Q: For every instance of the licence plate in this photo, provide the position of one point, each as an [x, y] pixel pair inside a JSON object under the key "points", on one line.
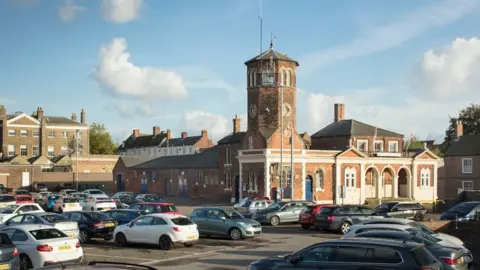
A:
{"points": [[109, 225], [66, 247], [191, 237], [4, 266]]}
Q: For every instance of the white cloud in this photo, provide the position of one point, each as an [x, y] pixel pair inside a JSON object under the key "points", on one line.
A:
{"points": [[119, 76], [395, 33], [69, 10], [217, 125], [121, 11]]}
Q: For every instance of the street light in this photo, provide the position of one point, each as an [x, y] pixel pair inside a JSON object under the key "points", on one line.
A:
{"points": [[77, 132]]}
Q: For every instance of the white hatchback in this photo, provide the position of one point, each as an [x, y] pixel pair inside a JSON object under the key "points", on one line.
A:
{"points": [[159, 229], [42, 245], [17, 209], [99, 203]]}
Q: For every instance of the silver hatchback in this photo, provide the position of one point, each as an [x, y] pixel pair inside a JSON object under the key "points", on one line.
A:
{"points": [[249, 207]]}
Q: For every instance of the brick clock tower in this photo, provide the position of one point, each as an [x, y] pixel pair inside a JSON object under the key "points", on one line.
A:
{"points": [[271, 87]]}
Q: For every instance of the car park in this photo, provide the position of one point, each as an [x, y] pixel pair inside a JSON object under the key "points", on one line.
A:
{"points": [[161, 229], [99, 203], [464, 211], [124, 216], [9, 253], [281, 212], [339, 218], [216, 221], [17, 209], [6, 200], [92, 225], [41, 245], [409, 210], [307, 215], [251, 206], [155, 207]]}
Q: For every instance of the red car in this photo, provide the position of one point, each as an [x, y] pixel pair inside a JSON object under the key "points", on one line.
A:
{"points": [[24, 199], [155, 207], [307, 216]]}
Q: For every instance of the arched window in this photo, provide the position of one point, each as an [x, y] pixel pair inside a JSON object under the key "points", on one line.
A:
{"points": [[425, 177], [284, 77], [319, 183], [289, 77]]}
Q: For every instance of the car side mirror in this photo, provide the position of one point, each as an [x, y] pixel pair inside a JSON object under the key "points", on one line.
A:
{"points": [[131, 224], [223, 218], [295, 258]]}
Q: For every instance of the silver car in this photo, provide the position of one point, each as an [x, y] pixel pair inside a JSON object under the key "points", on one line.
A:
{"points": [[249, 207], [281, 212]]}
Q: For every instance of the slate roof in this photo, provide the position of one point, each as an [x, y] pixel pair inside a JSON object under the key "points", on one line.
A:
{"points": [[352, 127], [131, 161], [466, 145], [233, 138], [192, 140], [143, 140], [271, 53], [206, 159], [17, 159], [40, 160], [62, 160]]}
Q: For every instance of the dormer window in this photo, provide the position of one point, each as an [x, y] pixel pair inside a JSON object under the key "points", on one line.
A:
{"points": [[362, 145], [393, 147]]}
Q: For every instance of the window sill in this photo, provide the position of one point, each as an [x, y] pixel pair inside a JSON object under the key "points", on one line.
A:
{"points": [[319, 190]]}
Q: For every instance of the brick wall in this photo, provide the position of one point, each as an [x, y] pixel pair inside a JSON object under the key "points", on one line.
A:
{"points": [[454, 176]]}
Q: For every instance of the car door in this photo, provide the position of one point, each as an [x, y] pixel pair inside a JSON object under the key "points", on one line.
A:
{"points": [[199, 217], [139, 232], [315, 257], [215, 223], [158, 228], [286, 213], [408, 210], [397, 211], [355, 214]]}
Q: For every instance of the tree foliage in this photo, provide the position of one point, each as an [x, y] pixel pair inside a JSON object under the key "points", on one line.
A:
{"points": [[470, 117], [413, 144], [101, 142]]}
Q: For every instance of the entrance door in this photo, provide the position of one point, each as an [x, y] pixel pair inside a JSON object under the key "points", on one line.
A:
{"points": [[144, 184], [237, 189], [182, 186], [308, 189], [120, 186], [25, 179]]}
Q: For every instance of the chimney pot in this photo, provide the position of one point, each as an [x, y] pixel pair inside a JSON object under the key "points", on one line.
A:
{"points": [[136, 132], [156, 130], [74, 117], [39, 113], [169, 134], [184, 135], [204, 133], [236, 124], [339, 112], [459, 129], [83, 119]]}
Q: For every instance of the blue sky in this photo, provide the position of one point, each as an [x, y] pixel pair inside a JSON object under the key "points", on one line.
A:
{"points": [[402, 65]]}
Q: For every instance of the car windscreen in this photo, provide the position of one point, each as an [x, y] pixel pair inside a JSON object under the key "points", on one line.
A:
{"points": [[276, 206], [151, 198], [166, 208], [95, 192], [385, 206], [181, 221], [21, 192], [247, 203], [70, 200], [7, 198], [462, 208], [55, 218], [327, 211], [232, 214], [24, 199], [99, 216], [44, 234], [9, 209]]}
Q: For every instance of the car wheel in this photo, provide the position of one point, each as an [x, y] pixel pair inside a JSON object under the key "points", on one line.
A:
{"points": [[345, 227], [25, 262], [188, 245], [121, 239], [418, 217], [235, 234], [274, 221], [305, 227], [83, 236], [165, 242]]}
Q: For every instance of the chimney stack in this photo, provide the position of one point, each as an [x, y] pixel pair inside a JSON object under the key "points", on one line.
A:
{"points": [[135, 133], [39, 113], [459, 128], [236, 124], [339, 111], [83, 120], [3, 111], [204, 133], [156, 130], [424, 145], [169, 134], [184, 135], [74, 117]]}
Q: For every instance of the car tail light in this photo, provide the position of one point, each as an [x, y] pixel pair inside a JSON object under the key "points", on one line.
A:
{"points": [[99, 225], [449, 261], [177, 229], [331, 218], [15, 252], [44, 248], [77, 245]]}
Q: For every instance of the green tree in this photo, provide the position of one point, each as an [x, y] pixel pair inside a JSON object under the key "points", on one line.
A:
{"points": [[413, 144], [101, 142], [470, 118]]}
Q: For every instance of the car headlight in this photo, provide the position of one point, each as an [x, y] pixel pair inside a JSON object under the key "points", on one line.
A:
{"points": [[243, 224]]}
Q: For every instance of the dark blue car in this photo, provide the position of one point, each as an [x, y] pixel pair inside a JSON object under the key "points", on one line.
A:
{"points": [[465, 211], [124, 216]]}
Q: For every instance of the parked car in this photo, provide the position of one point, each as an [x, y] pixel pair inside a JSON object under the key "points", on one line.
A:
{"points": [[66, 204], [451, 258], [161, 229], [17, 209], [92, 225], [10, 258], [281, 212], [355, 254], [124, 216], [24, 199], [4, 189], [70, 228], [251, 206], [100, 203], [6, 200], [94, 192], [307, 215], [67, 192], [21, 192], [148, 198], [243, 200], [123, 193], [155, 207], [125, 201], [410, 210], [464, 211], [42, 245], [339, 218], [79, 195], [217, 221]]}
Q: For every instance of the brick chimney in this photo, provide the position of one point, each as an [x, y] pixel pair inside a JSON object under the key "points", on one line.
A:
{"points": [[459, 128], [39, 113], [135, 133], [3, 111], [74, 117], [83, 119], [169, 134], [184, 135], [236, 124], [339, 111], [204, 133], [156, 130]]}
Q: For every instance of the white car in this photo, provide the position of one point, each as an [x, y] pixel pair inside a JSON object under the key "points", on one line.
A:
{"points": [[17, 209], [39, 244], [94, 192], [67, 204], [100, 203], [159, 229], [6, 200]]}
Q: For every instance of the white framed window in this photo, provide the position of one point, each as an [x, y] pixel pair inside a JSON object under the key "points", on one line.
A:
{"points": [[35, 133], [35, 150], [23, 150], [50, 151], [228, 155], [362, 145], [23, 133], [319, 180], [11, 132], [467, 185], [64, 134], [425, 177], [11, 150], [64, 150], [393, 146], [467, 165], [378, 146], [228, 180], [350, 176], [289, 75], [51, 134]]}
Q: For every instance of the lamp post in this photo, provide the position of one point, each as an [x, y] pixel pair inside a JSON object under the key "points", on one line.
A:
{"points": [[77, 132], [281, 141]]}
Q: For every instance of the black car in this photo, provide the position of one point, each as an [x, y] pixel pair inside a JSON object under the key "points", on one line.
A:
{"points": [[9, 253], [340, 217], [124, 201], [465, 211], [355, 253], [410, 210], [92, 225], [124, 216]]}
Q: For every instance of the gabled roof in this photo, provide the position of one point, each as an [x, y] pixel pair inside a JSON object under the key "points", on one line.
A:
{"points": [[143, 140], [62, 160], [60, 120], [17, 159], [232, 138], [131, 161], [208, 158], [466, 145], [352, 127], [271, 53], [40, 160]]}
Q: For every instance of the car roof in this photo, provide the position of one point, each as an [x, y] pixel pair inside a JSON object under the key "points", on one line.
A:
{"points": [[373, 242], [28, 227], [393, 226], [126, 210], [10, 195], [22, 204], [165, 215], [400, 221], [39, 214], [23, 195], [155, 203], [402, 234]]}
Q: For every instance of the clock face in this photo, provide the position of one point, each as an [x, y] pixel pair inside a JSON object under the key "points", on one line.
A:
{"points": [[253, 111], [287, 109]]}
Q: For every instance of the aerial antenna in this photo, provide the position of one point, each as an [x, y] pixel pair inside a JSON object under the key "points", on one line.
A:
{"points": [[261, 25], [271, 40]]}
